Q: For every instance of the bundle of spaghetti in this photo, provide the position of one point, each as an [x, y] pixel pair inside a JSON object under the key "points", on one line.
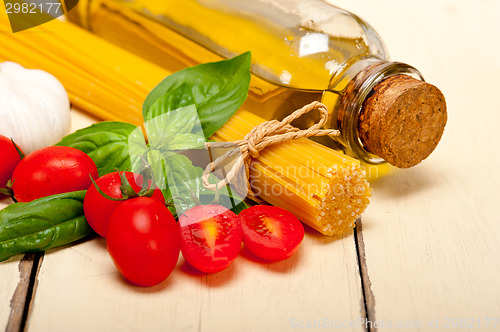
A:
{"points": [[324, 188], [151, 40], [100, 78]]}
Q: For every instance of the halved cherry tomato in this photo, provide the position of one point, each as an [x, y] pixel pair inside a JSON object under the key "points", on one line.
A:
{"points": [[52, 170], [98, 209], [211, 237], [10, 159], [270, 232], [143, 241]]}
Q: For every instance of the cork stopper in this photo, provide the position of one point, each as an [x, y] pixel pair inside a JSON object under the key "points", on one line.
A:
{"points": [[403, 120]]}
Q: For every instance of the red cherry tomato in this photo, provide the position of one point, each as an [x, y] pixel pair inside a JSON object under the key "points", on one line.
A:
{"points": [[270, 232], [10, 159], [52, 170], [211, 237], [98, 209], [143, 241]]}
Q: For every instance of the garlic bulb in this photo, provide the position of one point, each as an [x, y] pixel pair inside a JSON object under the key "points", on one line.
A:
{"points": [[34, 107]]}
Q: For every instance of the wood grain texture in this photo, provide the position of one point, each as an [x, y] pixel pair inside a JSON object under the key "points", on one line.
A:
{"points": [[16, 284], [14, 276], [80, 289], [431, 234], [21, 301], [10, 277]]}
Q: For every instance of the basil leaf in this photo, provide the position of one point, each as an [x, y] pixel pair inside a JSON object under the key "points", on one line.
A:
{"points": [[186, 141], [224, 200], [157, 162], [105, 142], [239, 207], [42, 224], [174, 98], [180, 180], [184, 182], [179, 129], [218, 89]]}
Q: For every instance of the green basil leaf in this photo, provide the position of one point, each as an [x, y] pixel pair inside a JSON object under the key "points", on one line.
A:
{"points": [[224, 200], [177, 129], [186, 142], [180, 180], [42, 224], [105, 142], [157, 162], [176, 97], [184, 182], [239, 207], [167, 133], [217, 88]]}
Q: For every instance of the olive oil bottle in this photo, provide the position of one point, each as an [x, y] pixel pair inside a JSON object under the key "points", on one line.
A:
{"points": [[302, 50]]}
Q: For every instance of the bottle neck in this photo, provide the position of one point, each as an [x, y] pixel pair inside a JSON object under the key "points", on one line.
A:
{"points": [[354, 82]]}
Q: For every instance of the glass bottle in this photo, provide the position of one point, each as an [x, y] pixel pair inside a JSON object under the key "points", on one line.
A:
{"points": [[302, 50]]}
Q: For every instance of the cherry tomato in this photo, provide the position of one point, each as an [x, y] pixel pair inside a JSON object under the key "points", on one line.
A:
{"points": [[10, 159], [270, 232], [143, 241], [52, 170], [98, 209], [211, 237]]}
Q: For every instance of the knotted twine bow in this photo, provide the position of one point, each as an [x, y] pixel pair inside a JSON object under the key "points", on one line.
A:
{"points": [[260, 137]]}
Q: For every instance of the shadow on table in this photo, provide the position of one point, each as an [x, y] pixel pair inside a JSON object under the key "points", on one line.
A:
{"points": [[407, 182], [284, 266]]}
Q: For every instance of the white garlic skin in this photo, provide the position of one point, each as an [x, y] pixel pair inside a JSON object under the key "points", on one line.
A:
{"points": [[34, 107]]}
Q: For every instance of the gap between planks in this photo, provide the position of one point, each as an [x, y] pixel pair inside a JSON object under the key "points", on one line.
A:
{"points": [[21, 301], [368, 301], [30, 266]]}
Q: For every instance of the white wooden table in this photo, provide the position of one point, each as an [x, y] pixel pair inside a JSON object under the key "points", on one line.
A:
{"points": [[424, 258]]}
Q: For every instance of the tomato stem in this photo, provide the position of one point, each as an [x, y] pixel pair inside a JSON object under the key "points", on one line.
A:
{"points": [[99, 190], [8, 190], [21, 154], [148, 181], [126, 189]]}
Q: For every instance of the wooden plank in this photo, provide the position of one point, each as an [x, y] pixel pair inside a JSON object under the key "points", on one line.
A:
{"points": [[366, 285], [18, 279], [80, 289], [20, 303], [15, 277], [431, 234], [17, 283], [11, 277], [430, 237]]}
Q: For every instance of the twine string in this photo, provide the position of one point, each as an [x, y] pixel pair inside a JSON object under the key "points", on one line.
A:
{"points": [[260, 137]]}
